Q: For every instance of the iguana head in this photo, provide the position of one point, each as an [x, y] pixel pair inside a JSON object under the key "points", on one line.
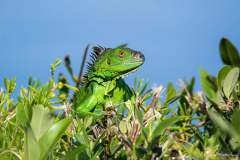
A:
{"points": [[110, 63]]}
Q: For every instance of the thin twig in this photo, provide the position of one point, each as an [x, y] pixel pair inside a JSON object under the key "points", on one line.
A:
{"points": [[82, 66]]}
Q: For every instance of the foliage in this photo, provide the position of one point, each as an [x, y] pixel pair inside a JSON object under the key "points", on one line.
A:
{"points": [[158, 123]]}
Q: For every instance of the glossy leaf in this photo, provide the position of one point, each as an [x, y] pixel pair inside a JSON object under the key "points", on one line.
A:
{"points": [[207, 86], [41, 120], [31, 147], [230, 81], [51, 137], [229, 53], [222, 74]]}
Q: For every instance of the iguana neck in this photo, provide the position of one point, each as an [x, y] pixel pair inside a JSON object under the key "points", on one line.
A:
{"points": [[101, 79], [108, 84]]}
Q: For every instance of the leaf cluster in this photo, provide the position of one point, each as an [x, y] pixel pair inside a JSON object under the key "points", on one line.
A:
{"points": [[175, 122]]}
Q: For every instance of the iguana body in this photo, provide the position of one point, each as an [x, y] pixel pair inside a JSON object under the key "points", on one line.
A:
{"points": [[103, 83]]}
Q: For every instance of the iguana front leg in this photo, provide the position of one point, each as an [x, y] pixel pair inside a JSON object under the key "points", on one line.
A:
{"points": [[87, 103], [88, 99]]}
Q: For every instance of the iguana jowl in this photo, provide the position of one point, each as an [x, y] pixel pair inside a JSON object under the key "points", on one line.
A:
{"points": [[103, 83]]}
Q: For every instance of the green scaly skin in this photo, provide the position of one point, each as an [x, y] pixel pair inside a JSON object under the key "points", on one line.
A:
{"points": [[103, 83]]}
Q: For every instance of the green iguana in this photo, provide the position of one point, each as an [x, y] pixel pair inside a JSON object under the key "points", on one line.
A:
{"points": [[103, 83]]}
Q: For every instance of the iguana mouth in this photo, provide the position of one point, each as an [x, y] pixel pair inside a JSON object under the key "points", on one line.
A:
{"points": [[133, 62], [128, 72]]}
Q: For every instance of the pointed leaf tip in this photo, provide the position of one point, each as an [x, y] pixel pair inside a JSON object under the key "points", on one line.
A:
{"points": [[229, 53]]}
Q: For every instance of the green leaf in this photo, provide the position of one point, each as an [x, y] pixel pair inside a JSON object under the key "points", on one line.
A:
{"points": [[229, 53], [31, 147], [171, 93], [139, 115], [144, 87], [160, 126], [223, 124], [51, 137], [22, 117], [97, 154], [41, 120], [190, 85], [236, 120], [222, 74], [82, 137], [54, 66], [230, 81], [220, 100], [122, 126], [139, 86], [6, 83], [192, 151], [88, 121], [207, 86], [10, 85], [77, 153]]}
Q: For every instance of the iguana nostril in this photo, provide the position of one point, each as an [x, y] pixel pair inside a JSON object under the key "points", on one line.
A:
{"points": [[142, 57], [135, 55], [138, 55]]}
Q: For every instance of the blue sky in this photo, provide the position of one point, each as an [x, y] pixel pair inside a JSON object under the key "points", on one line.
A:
{"points": [[177, 37]]}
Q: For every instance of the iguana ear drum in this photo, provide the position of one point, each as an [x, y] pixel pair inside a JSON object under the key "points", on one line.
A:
{"points": [[142, 56]]}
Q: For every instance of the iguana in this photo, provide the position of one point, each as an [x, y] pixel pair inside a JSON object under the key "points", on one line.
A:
{"points": [[103, 82]]}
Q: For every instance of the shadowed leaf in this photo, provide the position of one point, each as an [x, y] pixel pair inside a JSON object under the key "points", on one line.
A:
{"points": [[229, 53]]}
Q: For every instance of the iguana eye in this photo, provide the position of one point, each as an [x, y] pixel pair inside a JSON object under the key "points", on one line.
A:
{"points": [[109, 61], [121, 54]]}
